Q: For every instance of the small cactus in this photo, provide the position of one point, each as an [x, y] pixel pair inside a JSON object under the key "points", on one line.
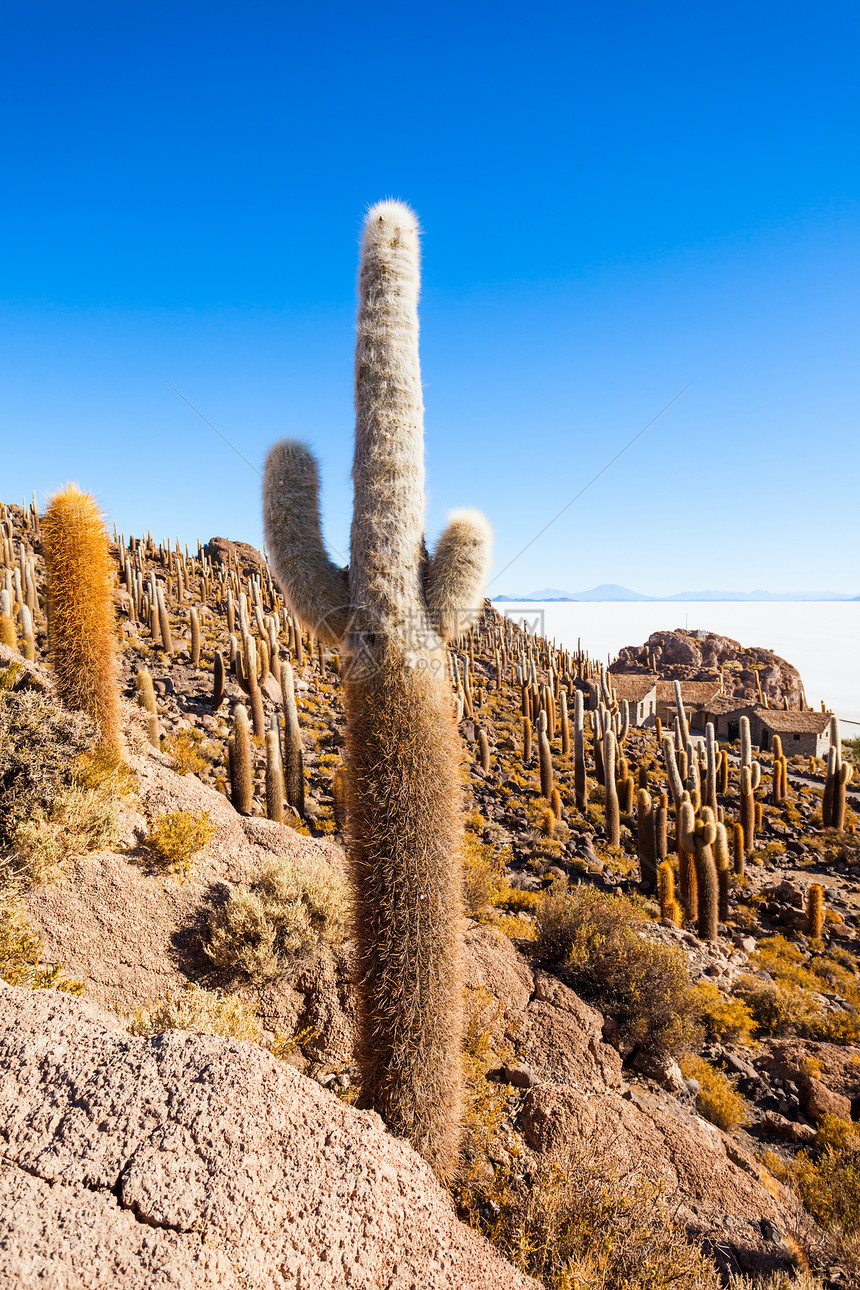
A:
{"points": [[747, 811], [645, 832], [815, 911], [613, 816], [738, 848], [294, 770], [580, 779]]}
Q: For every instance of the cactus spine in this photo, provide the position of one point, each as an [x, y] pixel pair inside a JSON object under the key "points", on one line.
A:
{"points": [[391, 614], [82, 645]]}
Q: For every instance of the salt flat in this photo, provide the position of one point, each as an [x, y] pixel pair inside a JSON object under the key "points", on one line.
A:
{"points": [[821, 638]]}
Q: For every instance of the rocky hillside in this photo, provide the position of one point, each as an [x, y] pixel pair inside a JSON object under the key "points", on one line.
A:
{"points": [[682, 655], [689, 1074]]}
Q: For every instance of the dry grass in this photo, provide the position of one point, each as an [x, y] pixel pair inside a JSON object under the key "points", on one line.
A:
{"points": [[288, 907], [200, 1012]]}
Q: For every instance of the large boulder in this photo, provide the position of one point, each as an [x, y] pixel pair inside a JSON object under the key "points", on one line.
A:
{"points": [[204, 1162]]}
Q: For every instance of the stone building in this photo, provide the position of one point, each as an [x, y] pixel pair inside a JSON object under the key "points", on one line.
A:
{"points": [[696, 697], [640, 693], [802, 733]]}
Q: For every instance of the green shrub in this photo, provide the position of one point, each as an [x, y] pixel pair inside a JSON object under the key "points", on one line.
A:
{"points": [[288, 907], [175, 837], [590, 940]]}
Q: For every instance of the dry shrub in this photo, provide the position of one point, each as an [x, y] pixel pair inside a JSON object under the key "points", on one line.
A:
{"points": [[799, 1279], [59, 794], [576, 1223], [779, 1009], [590, 940], [717, 1099], [21, 951], [727, 1019], [829, 1183], [175, 838], [200, 1012], [482, 873], [289, 906], [39, 742], [189, 751]]}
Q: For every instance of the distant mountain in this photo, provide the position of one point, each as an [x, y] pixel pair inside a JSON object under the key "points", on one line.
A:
{"points": [[612, 592], [606, 591]]}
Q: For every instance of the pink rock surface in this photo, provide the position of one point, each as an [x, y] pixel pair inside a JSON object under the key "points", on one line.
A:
{"points": [[197, 1161]]}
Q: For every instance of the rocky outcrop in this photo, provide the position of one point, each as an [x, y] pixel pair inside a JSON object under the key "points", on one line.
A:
{"points": [[241, 555], [682, 655], [203, 1162]]}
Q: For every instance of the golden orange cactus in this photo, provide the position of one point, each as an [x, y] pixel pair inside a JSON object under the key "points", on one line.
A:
{"points": [[81, 620]]}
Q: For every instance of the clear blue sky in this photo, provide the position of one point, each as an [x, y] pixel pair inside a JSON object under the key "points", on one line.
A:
{"points": [[615, 199]]}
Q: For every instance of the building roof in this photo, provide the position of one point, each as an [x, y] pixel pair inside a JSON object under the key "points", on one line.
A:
{"points": [[721, 704], [691, 691], [793, 722], [631, 688]]}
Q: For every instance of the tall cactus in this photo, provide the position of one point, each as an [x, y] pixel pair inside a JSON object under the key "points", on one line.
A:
{"points": [[580, 779], [699, 836], [81, 640], [391, 614]]}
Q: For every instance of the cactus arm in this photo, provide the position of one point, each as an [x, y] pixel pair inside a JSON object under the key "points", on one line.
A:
{"points": [[315, 589], [457, 574]]}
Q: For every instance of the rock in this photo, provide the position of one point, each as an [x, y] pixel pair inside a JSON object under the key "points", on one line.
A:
{"points": [[791, 1130], [122, 1153], [695, 1162], [520, 1076], [818, 1100], [664, 1070], [492, 962], [562, 1038]]}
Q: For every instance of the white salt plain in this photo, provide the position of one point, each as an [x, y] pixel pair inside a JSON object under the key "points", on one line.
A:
{"points": [[820, 638]]}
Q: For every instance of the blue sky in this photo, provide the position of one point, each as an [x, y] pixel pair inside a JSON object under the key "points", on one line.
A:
{"points": [[615, 200]]}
